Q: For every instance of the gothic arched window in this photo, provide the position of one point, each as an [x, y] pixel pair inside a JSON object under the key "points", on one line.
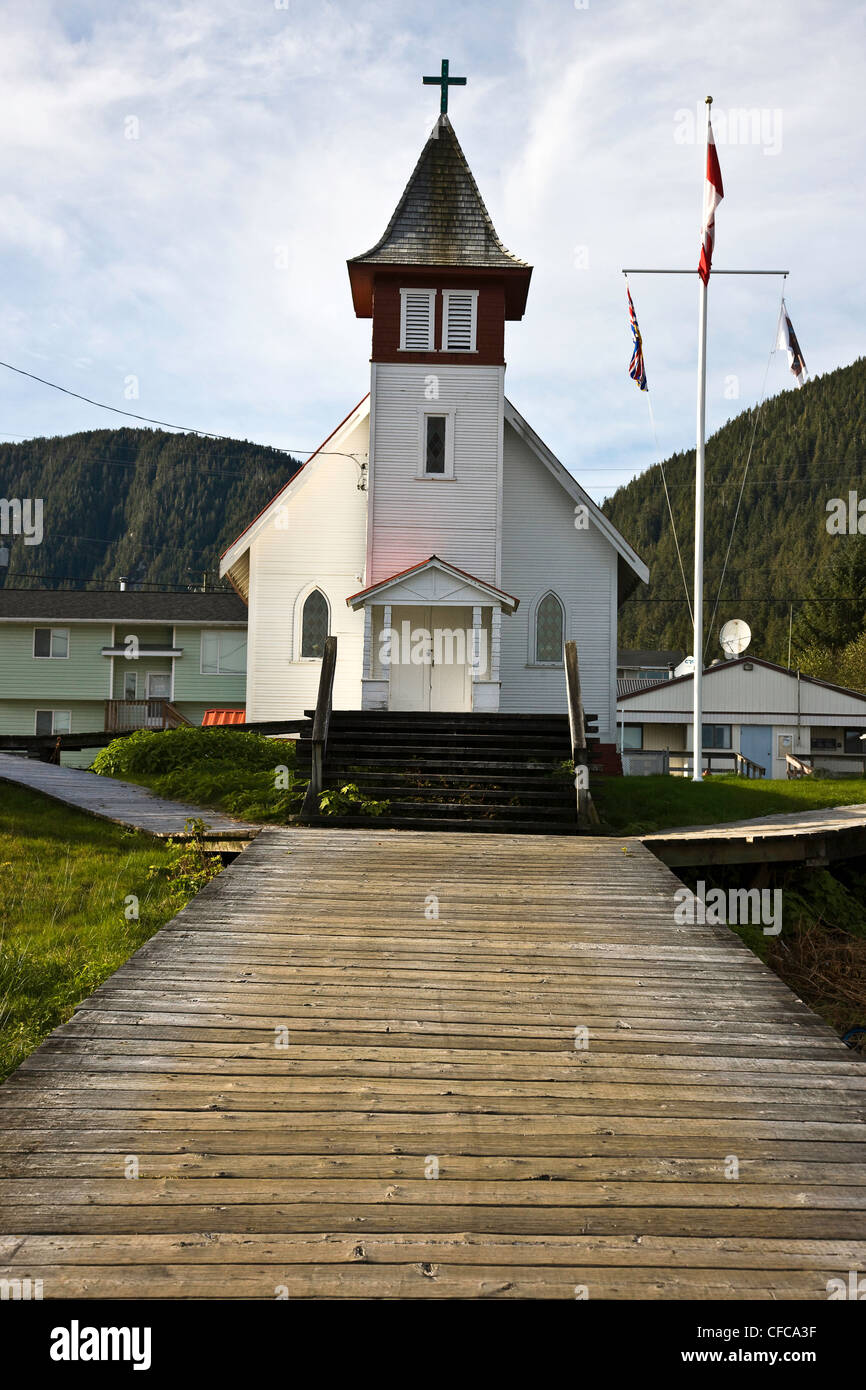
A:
{"points": [[549, 631], [314, 624]]}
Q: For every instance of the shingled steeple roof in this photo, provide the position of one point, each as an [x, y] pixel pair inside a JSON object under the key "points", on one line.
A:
{"points": [[441, 218]]}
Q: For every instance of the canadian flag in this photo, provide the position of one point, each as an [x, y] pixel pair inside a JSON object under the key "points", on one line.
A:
{"points": [[713, 195]]}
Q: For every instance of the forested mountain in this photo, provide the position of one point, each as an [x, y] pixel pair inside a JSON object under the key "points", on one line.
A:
{"points": [[809, 447], [154, 506], [159, 507]]}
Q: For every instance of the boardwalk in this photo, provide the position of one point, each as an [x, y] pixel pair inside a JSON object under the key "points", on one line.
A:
{"points": [[124, 803], [810, 837], [290, 1062]]}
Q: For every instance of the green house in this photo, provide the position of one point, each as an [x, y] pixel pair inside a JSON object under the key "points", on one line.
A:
{"points": [[105, 660]]}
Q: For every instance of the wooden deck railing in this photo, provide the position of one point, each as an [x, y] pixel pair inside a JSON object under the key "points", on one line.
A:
{"points": [[122, 715], [830, 763], [321, 723], [717, 760], [586, 812]]}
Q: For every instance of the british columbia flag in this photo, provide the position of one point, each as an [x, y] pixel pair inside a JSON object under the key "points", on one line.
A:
{"points": [[636, 369]]}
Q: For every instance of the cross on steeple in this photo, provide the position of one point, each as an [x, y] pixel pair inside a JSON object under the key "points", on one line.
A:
{"points": [[444, 82]]}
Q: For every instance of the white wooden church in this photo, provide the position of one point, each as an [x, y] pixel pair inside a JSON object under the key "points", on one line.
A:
{"points": [[434, 533]]}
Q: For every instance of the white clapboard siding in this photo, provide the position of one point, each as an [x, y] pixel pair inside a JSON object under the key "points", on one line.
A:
{"points": [[321, 541], [761, 695], [417, 320], [542, 550], [414, 517]]}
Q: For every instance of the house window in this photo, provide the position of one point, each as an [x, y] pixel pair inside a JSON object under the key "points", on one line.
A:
{"points": [[315, 621], [716, 736], [435, 443], [632, 736], [130, 685], [51, 642], [417, 320], [223, 653], [53, 721], [852, 741], [459, 317], [549, 626]]}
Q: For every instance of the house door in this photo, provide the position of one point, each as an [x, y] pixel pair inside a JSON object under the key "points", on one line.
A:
{"points": [[158, 685], [430, 659], [756, 742]]}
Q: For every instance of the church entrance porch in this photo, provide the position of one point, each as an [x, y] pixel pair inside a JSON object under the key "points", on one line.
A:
{"points": [[431, 641], [434, 658]]}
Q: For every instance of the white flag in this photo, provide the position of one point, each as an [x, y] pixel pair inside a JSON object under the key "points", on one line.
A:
{"points": [[787, 340]]}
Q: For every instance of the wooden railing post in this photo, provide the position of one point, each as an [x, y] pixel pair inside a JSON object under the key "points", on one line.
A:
{"points": [[321, 722], [586, 812]]}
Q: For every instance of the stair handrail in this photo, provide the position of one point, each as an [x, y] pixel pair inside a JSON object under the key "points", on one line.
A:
{"points": [[586, 812], [172, 717], [797, 767], [746, 767], [321, 724]]}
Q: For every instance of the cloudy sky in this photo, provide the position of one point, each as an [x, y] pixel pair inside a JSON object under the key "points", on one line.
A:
{"points": [[181, 184]]}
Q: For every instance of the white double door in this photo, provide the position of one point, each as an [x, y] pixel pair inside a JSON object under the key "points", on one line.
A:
{"points": [[429, 672]]}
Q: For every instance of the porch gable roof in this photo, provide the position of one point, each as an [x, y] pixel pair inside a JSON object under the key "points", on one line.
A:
{"points": [[427, 567]]}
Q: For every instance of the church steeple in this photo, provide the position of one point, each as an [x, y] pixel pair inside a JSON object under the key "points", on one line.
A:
{"points": [[441, 222]]}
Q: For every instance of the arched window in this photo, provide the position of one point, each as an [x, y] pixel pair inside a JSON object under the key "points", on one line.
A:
{"points": [[549, 631], [314, 624]]}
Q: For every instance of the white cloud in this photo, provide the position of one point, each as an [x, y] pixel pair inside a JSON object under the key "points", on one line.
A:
{"points": [[272, 138]]}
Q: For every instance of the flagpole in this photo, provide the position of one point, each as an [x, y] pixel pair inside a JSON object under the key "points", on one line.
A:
{"points": [[698, 606]]}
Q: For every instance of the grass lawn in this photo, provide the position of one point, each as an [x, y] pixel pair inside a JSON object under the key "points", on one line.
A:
{"points": [[642, 805], [64, 878]]}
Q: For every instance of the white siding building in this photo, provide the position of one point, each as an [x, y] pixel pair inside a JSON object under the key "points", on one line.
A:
{"points": [[752, 707], [434, 533]]}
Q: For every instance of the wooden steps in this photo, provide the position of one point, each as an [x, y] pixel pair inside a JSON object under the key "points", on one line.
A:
{"points": [[462, 772]]}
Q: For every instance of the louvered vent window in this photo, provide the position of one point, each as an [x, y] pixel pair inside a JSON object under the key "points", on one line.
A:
{"points": [[416, 320], [459, 326]]}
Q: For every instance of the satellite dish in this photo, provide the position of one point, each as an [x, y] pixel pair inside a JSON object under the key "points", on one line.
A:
{"points": [[735, 636], [686, 667]]}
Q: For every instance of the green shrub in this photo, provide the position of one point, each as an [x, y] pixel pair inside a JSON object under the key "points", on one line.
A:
{"points": [[150, 751], [244, 774]]}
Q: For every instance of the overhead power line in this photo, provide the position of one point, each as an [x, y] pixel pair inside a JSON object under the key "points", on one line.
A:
{"points": [[164, 424]]}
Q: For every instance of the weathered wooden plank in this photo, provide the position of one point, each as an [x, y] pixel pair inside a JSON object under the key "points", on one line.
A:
{"points": [[549, 1126], [296, 1217], [165, 1138], [425, 1279], [228, 1248], [420, 1192], [466, 1168], [263, 1057]]}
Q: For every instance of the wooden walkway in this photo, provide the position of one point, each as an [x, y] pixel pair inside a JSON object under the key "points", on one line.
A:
{"points": [[124, 803], [809, 837], [417, 1046]]}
